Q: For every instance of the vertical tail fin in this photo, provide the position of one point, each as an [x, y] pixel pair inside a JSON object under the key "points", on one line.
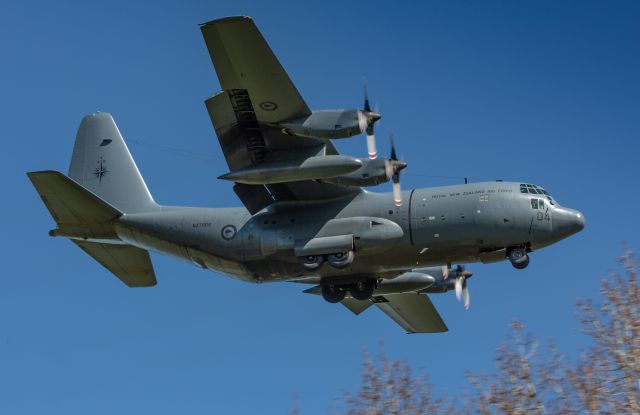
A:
{"points": [[102, 163]]}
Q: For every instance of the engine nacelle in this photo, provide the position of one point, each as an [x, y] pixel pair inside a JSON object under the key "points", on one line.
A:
{"points": [[442, 284], [327, 124], [405, 283], [371, 173]]}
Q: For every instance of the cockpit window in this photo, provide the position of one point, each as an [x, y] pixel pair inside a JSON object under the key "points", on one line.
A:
{"points": [[533, 189], [537, 204]]}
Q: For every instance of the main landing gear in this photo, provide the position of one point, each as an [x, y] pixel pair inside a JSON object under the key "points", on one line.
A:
{"points": [[337, 260], [361, 290], [518, 257]]}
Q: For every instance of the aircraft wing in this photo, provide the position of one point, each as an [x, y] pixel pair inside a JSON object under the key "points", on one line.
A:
{"points": [[256, 92], [414, 312], [244, 61]]}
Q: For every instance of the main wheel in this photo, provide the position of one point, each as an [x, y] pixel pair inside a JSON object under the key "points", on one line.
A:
{"points": [[363, 290], [333, 293], [341, 259], [311, 262]]}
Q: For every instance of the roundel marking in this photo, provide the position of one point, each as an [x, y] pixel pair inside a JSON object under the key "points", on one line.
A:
{"points": [[268, 105], [228, 232]]}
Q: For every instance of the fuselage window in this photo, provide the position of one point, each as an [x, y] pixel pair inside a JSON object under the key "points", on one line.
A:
{"points": [[541, 203], [534, 203]]}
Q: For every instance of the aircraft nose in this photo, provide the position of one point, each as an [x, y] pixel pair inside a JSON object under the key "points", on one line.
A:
{"points": [[567, 221]]}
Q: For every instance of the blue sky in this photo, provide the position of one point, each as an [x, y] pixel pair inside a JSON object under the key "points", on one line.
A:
{"points": [[544, 92]]}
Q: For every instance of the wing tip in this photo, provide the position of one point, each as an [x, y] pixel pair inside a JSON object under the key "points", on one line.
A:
{"points": [[228, 19], [41, 172]]}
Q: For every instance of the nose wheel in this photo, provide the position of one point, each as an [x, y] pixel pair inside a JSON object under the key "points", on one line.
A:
{"points": [[518, 257]]}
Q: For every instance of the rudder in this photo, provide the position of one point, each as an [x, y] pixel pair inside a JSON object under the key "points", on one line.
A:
{"points": [[102, 163]]}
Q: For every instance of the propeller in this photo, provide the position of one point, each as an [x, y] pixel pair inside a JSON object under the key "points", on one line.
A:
{"points": [[393, 166], [460, 283], [372, 117]]}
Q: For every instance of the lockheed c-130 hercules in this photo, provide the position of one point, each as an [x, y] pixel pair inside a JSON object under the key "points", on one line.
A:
{"points": [[306, 217]]}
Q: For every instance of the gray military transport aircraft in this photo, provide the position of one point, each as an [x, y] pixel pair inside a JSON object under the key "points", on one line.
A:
{"points": [[306, 217]]}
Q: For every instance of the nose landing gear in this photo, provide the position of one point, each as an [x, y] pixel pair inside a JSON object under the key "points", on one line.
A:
{"points": [[518, 257]]}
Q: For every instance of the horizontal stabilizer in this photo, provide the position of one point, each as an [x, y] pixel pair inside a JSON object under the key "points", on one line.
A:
{"points": [[414, 312], [70, 204], [130, 264]]}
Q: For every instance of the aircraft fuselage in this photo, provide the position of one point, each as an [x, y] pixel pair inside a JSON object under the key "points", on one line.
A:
{"points": [[441, 225]]}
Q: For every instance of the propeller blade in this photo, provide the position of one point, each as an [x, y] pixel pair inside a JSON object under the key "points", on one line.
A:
{"points": [[393, 149], [372, 117], [445, 272], [458, 286], [397, 193], [367, 107], [388, 168], [371, 143], [467, 297]]}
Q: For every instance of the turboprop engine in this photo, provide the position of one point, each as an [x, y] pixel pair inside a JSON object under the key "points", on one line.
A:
{"points": [[429, 280], [450, 279], [342, 123]]}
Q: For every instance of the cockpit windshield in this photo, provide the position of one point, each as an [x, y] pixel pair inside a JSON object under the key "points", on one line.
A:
{"points": [[533, 189]]}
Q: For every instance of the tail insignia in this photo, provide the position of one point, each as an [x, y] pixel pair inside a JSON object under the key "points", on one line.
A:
{"points": [[101, 170]]}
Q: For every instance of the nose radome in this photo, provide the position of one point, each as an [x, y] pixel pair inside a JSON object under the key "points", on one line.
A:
{"points": [[567, 221], [580, 220]]}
